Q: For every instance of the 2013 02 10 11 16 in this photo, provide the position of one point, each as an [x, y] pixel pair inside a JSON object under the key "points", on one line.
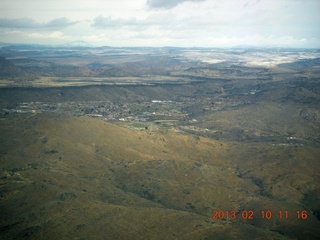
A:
{"points": [[263, 214]]}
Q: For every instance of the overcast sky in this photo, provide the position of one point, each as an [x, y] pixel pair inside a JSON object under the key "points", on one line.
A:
{"points": [[185, 23]]}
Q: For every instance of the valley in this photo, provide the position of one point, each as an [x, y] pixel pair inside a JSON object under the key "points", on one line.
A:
{"points": [[147, 143]]}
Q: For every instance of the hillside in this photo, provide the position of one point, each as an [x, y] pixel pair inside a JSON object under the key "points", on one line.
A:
{"points": [[8, 69], [77, 177]]}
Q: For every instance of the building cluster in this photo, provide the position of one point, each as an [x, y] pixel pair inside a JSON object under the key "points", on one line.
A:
{"points": [[183, 109]]}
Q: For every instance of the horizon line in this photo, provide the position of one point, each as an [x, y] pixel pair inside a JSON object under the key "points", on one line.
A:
{"points": [[88, 45]]}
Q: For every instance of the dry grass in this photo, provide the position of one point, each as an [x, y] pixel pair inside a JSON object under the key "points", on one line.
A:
{"points": [[68, 177]]}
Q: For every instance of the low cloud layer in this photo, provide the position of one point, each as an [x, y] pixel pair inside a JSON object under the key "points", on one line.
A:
{"points": [[167, 4], [108, 22], [205, 23], [29, 23]]}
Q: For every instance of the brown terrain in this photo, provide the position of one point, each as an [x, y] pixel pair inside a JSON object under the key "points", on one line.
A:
{"points": [[71, 177], [228, 152]]}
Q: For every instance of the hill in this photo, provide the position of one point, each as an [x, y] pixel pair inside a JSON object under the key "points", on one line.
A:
{"points": [[76, 177], [8, 69]]}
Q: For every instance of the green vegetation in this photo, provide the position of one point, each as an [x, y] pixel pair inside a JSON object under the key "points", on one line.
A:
{"points": [[138, 125]]}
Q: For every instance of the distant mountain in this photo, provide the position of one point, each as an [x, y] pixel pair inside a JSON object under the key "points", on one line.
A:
{"points": [[8, 69], [2, 44], [77, 44]]}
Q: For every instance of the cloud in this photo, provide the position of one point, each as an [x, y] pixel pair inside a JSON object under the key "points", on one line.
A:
{"points": [[108, 22], [50, 35], [29, 23], [18, 23], [167, 4], [59, 23], [251, 3], [179, 22]]}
